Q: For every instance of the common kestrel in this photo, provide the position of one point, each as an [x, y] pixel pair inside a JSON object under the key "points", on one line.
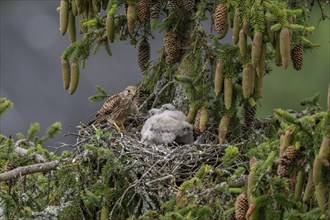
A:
{"points": [[118, 107]]}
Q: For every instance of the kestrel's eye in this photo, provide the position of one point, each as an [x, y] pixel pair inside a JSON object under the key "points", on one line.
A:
{"points": [[129, 91]]}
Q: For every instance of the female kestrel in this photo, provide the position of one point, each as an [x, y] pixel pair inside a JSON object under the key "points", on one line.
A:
{"points": [[118, 107]]}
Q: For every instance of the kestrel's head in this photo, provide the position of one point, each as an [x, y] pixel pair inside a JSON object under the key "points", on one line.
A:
{"points": [[130, 91], [168, 107]]}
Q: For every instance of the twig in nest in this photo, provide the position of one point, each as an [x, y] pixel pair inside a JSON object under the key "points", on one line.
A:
{"points": [[161, 91]]}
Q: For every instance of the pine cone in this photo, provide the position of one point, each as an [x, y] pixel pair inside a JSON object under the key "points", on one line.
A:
{"points": [[65, 73], [72, 27], [218, 78], [230, 217], [286, 161], [189, 5], [110, 27], [285, 42], [236, 26], [172, 47], [144, 55], [247, 80], [242, 43], [155, 9], [131, 18], [223, 128], [64, 16], [249, 116], [173, 5], [221, 20], [297, 56], [228, 92], [193, 110], [143, 9], [179, 196], [204, 118], [241, 206], [256, 49], [197, 121], [282, 170], [278, 57], [74, 80], [9, 166]]}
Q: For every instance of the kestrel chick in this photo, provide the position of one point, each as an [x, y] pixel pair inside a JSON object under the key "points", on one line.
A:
{"points": [[118, 107], [163, 129]]}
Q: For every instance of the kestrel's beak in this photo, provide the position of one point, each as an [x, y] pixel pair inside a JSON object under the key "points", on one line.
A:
{"points": [[132, 92]]}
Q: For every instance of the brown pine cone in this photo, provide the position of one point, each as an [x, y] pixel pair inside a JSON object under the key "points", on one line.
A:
{"points": [[144, 55], [221, 20], [155, 9], [172, 47], [241, 206], [143, 10], [297, 56]]}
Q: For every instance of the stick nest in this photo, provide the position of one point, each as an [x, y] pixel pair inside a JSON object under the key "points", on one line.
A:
{"points": [[155, 172]]}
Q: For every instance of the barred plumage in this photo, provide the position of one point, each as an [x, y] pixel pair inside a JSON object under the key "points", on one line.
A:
{"points": [[144, 55], [118, 107], [297, 56], [221, 20]]}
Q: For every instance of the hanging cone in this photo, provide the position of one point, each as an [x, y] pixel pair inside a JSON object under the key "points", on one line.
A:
{"points": [[193, 109], [285, 42], [228, 92], [249, 117], [297, 56], [286, 161], [256, 49], [204, 118], [247, 81], [155, 9], [172, 47], [173, 5], [74, 80], [110, 27], [236, 27], [242, 43], [197, 121], [131, 18], [72, 27], [241, 206], [65, 73], [223, 128], [143, 9], [74, 8], [144, 55], [189, 5], [64, 16], [221, 20], [218, 78], [262, 63]]}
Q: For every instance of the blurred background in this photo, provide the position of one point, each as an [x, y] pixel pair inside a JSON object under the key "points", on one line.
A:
{"points": [[31, 46]]}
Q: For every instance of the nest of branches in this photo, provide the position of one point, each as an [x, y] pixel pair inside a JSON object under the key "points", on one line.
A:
{"points": [[155, 171]]}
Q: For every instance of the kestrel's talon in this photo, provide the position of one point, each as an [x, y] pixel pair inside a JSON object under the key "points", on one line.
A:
{"points": [[117, 127]]}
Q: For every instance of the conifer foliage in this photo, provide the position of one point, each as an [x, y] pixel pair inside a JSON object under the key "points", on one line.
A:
{"points": [[239, 167]]}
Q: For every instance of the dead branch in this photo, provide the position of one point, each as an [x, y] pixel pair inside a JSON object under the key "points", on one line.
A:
{"points": [[35, 168]]}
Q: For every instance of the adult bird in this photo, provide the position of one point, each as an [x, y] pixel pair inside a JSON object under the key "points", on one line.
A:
{"points": [[118, 107]]}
